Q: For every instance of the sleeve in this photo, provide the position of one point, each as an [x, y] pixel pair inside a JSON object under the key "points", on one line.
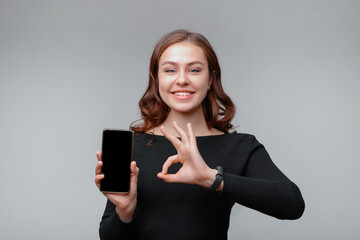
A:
{"points": [[263, 187], [111, 226]]}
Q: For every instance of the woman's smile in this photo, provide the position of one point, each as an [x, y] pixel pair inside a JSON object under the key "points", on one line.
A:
{"points": [[183, 95]]}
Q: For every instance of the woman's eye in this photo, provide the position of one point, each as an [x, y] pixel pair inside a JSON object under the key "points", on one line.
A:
{"points": [[170, 70], [194, 70]]}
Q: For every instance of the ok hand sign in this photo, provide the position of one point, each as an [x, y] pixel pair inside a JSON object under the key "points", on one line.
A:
{"points": [[194, 170]]}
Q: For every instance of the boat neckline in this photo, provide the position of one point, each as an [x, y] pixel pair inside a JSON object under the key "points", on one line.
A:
{"points": [[197, 137]]}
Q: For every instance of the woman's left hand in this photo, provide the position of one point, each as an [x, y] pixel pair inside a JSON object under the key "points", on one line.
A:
{"points": [[194, 170]]}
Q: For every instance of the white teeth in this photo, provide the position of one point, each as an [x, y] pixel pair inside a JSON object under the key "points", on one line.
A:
{"points": [[182, 93]]}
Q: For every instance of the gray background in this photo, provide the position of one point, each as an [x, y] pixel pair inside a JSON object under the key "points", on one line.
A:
{"points": [[68, 69]]}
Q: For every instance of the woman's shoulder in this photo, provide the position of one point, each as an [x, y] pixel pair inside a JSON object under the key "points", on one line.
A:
{"points": [[239, 139], [247, 138]]}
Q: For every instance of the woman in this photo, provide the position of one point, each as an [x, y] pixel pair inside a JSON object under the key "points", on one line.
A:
{"points": [[188, 169]]}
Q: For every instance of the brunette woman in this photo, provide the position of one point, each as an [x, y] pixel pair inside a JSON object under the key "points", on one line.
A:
{"points": [[189, 166]]}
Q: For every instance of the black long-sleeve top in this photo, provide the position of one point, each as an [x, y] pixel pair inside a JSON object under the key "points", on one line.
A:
{"points": [[183, 211]]}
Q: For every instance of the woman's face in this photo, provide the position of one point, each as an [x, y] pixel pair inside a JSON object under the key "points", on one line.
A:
{"points": [[183, 77]]}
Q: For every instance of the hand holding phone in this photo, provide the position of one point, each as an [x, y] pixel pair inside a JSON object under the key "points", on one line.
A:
{"points": [[125, 202]]}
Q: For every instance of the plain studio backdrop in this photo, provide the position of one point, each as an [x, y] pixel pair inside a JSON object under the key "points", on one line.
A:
{"points": [[68, 69]]}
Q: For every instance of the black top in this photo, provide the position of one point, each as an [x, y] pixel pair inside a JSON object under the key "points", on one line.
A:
{"points": [[183, 211]]}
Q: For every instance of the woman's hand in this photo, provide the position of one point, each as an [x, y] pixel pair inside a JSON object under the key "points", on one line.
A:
{"points": [[194, 170], [125, 202]]}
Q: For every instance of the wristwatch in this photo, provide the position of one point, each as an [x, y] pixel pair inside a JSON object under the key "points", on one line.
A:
{"points": [[218, 179]]}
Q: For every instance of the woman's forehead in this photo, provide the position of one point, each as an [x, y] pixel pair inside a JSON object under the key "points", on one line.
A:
{"points": [[183, 52]]}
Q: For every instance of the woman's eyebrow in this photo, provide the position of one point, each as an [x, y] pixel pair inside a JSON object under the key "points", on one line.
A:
{"points": [[169, 62], [195, 62], [188, 64]]}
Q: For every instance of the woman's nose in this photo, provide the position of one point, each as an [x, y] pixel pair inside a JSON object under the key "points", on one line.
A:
{"points": [[182, 78]]}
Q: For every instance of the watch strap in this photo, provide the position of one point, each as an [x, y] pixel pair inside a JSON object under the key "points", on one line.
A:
{"points": [[218, 179]]}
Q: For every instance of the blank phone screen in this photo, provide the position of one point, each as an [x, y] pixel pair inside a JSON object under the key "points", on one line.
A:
{"points": [[116, 157]]}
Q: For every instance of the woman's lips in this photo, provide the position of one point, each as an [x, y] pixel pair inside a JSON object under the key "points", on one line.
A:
{"points": [[182, 95]]}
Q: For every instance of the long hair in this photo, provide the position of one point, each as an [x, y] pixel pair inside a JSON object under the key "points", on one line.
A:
{"points": [[217, 106]]}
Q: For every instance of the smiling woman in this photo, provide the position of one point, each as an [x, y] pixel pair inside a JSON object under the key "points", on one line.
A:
{"points": [[188, 169], [181, 61]]}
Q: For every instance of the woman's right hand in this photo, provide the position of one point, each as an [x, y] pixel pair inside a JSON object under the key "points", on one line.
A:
{"points": [[125, 202]]}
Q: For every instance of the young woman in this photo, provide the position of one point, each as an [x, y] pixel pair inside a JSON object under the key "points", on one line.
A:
{"points": [[188, 169]]}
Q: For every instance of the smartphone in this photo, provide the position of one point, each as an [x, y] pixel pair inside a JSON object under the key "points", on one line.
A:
{"points": [[117, 148]]}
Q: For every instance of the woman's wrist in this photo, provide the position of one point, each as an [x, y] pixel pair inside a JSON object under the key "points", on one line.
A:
{"points": [[125, 215], [210, 178]]}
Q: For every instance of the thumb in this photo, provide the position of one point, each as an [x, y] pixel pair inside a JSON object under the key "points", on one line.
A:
{"points": [[170, 178], [134, 177]]}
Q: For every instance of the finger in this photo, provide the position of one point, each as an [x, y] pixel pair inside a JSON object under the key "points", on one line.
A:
{"points": [[98, 167], [170, 161], [134, 169], [134, 177], [99, 155], [98, 179], [175, 141], [183, 135], [168, 177], [191, 134]]}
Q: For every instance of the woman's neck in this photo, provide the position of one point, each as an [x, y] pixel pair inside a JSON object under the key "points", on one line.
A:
{"points": [[196, 119]]}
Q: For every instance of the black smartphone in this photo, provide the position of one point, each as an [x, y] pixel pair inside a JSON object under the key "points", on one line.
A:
{"points": [[117, 147]]}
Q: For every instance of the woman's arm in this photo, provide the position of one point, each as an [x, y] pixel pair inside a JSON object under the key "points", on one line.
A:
{"points": [[111, 226], [261, 186], [120, 207], [264, 187]]}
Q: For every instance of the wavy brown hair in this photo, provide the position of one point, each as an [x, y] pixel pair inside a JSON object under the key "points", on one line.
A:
{"points": [[217, 106]]}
